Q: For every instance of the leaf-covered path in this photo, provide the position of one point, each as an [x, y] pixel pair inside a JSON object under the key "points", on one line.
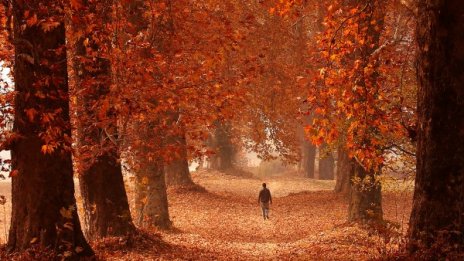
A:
{"points": [[306, 223]]}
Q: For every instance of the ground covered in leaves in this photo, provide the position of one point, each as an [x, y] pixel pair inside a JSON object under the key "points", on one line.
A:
{"points": [[307, 222], [221, 220]]}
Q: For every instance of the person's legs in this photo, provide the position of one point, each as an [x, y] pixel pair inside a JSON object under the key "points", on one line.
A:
{"points": [[265, 208]]}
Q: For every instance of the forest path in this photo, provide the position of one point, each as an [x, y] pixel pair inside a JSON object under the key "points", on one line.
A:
{"points": [[225, 222]]}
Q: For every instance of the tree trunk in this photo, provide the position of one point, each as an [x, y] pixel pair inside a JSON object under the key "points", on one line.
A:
{"points": [[342, 184], [326, 164], [43, 203], [102, 187], [365, 196], [225, 151], [177, 172], [308, 150], [438, 209], [151, 202], [104, 198], [309, 159], [151, 198]]}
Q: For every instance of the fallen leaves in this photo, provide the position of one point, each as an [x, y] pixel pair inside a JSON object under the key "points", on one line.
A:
{"points": [[221, 220]]}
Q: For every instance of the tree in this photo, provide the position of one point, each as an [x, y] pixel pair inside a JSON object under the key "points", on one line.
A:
{"points": [[151, 198], [361, 26], [147, 131], [267, 122], [308, 155], [44, 207], [106, 207], [342, 184], [365, 197], [326, 163], [437, 213], [308, 159], [358, 93], [225, 150], [177, 169]]}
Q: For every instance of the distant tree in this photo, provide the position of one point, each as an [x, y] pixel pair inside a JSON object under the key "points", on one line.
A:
{"points": [[326, 163], [308, 159], [224, 157], [342, 178]]}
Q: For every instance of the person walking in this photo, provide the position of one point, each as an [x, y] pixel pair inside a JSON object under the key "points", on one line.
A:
{"points": [[264, 199]]}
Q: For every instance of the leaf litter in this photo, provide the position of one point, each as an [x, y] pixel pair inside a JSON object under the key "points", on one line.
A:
{"points": [[221, 220]]}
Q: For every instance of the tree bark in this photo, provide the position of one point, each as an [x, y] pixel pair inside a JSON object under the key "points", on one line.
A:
{"points": [[308, 159], [43, 203], [225, 151], [106, 207], [151, 198], [105, 202], [326, 164], [177, 171], [365, 195], [308, 150], [342, 184], [438, 208]]}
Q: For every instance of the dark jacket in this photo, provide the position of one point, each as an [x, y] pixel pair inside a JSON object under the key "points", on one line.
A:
{"points": [[265, 196]]}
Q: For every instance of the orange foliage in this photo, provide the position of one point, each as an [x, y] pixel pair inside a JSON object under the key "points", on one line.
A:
{"points": [[362, 92]]}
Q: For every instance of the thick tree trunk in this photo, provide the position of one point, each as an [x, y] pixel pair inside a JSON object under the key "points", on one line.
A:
{"points": [[344, 169], [438, 209], [151, 198], [326, 164], [102, 187], [365, 195], [104, 198], [177, 171], [151, 204], [43, 203]]}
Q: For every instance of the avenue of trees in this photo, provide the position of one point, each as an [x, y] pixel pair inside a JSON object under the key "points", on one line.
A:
{"points": [[106, 89]]}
